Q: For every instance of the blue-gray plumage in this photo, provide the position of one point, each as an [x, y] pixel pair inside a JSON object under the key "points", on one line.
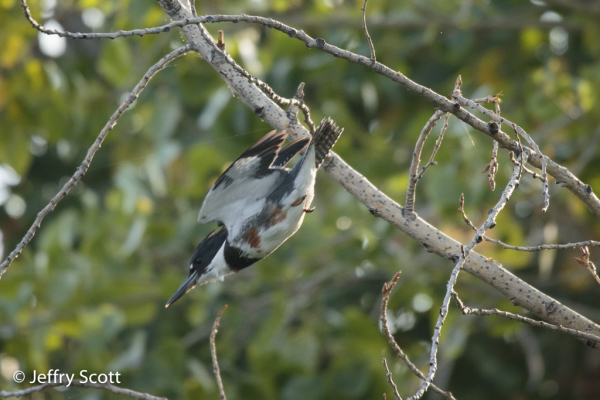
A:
{"points": [[259, 204]]}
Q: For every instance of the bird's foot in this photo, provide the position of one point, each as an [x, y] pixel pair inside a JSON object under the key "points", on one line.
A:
{"points": [[299, 201], [309, 210]]}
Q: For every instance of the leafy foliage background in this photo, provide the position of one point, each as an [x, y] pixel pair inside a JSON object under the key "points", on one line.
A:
{"points": [[89, 291]]}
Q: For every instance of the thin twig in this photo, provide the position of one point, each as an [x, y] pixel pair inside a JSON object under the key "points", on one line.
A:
{"points": [[104, 386], [534, 174], [489, 223], [543, 246], [492, 167], [82, 169], [525, 320], [523, 155], [497, 102], [566, 178], [510, 23], [268, 90], [587, 263], [386, 291], [161, 29], [381, 205], [461, 208], [391, 381], [364, 27], [299, 104], [100, 35], [416, 159], [436, 147], [501, 120], [221, 39], [492, 98], [374, 199], [213, 352]]}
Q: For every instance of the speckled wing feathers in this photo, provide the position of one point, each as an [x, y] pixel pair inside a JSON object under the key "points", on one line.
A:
{"points": [[265, 150], [289, 152], [248, 179]]}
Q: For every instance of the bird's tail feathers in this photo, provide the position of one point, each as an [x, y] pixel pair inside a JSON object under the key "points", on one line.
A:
{"points": [[326, 134]]}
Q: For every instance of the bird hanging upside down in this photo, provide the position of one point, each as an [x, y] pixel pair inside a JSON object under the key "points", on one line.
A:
{"points": [[258, 203]]}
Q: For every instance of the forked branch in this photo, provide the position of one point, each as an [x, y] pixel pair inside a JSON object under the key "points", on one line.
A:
{"points": [[409, 206], [489, 223], [587, 263], [357, 185], [386, 291], [589, 338], [187, 19]]}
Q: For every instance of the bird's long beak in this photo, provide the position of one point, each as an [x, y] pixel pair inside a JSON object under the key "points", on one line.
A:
{"points": [[185, 287]]}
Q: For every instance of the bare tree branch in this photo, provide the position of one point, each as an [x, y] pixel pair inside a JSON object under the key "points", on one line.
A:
{"points": [[436, 147], [299, 96], [391, 381], [386, 291], [520, 163], [364, 28], [543, 246], [492, 167], [461, 208], [500, 120], [535, 175], [388, 22], [82, 169], [563, 175], [409, 206], [193, 7], [489, 223], [213, 353], [162, 29], [525, 320], [587, 263], [86, 35], [381, 205], [487, 23], [104, 386], [262, 101]]}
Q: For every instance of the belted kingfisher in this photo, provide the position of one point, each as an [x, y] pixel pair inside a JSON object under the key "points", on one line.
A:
{"points": [[258, 203]]}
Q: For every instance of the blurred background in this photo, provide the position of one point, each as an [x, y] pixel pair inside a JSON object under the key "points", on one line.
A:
{"points": [[89, 291]]}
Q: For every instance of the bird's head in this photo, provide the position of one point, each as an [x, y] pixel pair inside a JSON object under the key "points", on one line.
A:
{"points": [[201, 260]]}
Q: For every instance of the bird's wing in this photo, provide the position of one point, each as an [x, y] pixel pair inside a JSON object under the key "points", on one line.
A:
{"points": [[289, 152], [245, 184]]}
